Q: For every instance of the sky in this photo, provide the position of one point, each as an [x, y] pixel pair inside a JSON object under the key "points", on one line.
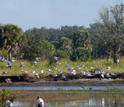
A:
{"points": [[28, 14]]}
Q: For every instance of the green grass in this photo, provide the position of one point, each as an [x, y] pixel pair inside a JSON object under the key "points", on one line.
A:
{"points": [[44, 65]]}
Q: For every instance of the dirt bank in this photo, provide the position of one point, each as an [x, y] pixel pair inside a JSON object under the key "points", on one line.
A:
{"points": [[79, 82], [29, 79]]}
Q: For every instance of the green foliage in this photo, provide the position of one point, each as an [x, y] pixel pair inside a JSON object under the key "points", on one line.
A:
{"points": [[61, 54], [81, 39], [36, 46], [7, 95], [74, 56], [65, 42], [83, 54], [56, 44], [57, 53], [107, 37], [4, 52], [67, 50], [80, 54]]}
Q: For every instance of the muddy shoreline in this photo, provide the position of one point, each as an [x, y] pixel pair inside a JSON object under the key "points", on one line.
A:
{"points": [[77, 82]]}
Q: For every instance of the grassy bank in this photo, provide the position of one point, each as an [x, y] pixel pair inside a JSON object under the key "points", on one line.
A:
{"points": [[44, 65]]}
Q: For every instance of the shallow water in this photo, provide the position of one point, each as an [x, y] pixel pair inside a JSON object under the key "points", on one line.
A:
{"points": [[94, 100], [63, 87]]}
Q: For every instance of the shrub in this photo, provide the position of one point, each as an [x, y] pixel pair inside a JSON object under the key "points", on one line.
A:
{"points": [[7, 95]]}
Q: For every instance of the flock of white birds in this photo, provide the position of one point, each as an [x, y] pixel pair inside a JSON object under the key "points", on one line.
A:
{"points": [[69, 68]]}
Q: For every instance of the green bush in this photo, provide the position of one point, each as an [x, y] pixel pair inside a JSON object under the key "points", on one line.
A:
{"points": [[80, 54], [7, 95]]}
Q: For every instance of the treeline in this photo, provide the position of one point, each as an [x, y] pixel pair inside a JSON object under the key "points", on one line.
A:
{"points": [[103, 39]]}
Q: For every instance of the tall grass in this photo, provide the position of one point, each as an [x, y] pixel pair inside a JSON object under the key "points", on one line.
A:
{"points": [[44, 65]]}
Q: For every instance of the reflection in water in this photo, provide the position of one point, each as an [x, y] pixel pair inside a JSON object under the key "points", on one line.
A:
{"points": [[92, 101]]}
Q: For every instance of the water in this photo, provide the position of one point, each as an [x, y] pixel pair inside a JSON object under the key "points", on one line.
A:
{"points": [[63, 87], [92, 101]]}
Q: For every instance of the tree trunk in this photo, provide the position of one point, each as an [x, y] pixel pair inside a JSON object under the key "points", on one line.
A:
{"points": [[10, 54], [114, 58]]}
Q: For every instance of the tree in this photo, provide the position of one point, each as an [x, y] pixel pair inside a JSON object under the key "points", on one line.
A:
{"points": [[7, 95], [11, 38], [36, 46], [110, 39], [81, 46], [81, 38]]}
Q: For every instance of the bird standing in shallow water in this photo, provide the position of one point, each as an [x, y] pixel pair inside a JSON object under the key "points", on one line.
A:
{"points": [[8, 103], [40, 102]]}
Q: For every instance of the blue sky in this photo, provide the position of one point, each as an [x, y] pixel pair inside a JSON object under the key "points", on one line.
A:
{"points": [[28, 14]]}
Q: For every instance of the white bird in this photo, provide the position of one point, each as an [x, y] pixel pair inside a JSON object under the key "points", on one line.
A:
{"points": [[91, 67], [55, 68], [48, 71], [33, 72], [22, 65], [88, 73], [40, 102], [82, 66], [4, 60], [67, 65], [73, 72], [107, 75], [13, 59], [112, 73], [102, 72], [109, 67], [9, 63], [6, 65], [71, 68], [37, 75], [24, 71], [56, 58], [42, 71], [35, 62], [0, 58], [102, 75], [63, 76], [58, 63], [55, 75], [59, 71], [8, 103], [97, 72], [78, 67], [83, 73], [118, 61], [37, 59]]}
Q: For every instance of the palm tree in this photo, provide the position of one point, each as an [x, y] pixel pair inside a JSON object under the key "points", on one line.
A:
{"points": [[11, 37]]}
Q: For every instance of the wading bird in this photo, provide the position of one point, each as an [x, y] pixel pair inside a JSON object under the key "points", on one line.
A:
{"points": [[8, 103], [40, 102]]}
